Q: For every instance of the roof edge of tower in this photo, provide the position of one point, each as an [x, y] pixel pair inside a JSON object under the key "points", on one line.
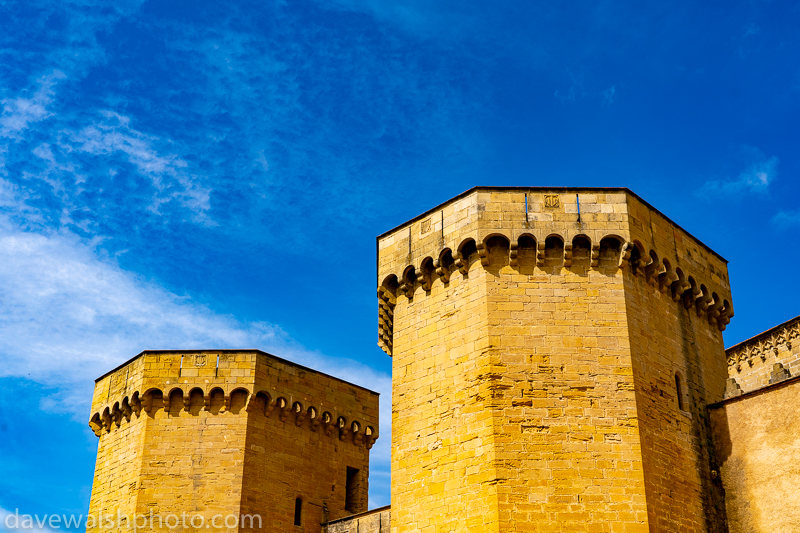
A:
{"points": [[244, 350], [538, 188]]}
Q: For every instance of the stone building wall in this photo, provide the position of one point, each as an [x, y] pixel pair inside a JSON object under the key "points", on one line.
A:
{"points": [[520, 382], [230, 433], [757, 441], [756, 434], [677, 350], [374, 521]]}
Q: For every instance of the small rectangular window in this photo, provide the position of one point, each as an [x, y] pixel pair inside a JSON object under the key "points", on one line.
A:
{"points": [[298, 511], [351, 490]]}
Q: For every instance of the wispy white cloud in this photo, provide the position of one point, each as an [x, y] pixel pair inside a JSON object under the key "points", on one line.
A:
{"points": [[75, 147], [168, 172], [64, 35], [20, 112], [755, 178], [68, 313], [751, 28], [787, 219], [609, 95]]}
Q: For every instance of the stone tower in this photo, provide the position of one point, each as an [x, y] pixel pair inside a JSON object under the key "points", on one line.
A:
{"points": [[228, 433], [553, 353]]}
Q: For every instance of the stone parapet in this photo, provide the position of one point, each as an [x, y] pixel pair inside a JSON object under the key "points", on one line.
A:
{"points": [[766, 358], [374, 521], [219, 382]]}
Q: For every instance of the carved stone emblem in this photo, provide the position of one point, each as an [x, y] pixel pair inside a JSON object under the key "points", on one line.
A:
{"points": [[425, 226], [551, 200], [200, 360]]}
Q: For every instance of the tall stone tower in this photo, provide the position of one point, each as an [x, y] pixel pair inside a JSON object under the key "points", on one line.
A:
{"points": [[553, 353], [228, 433]]}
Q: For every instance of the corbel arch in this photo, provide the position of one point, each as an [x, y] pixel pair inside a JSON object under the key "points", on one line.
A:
{"points": [[703, 301], [238, 399], [96, 424], [116, 414], [581, 252], [652, 268], [216, 400], [526, 251], [638, 259], [106, 418], [725, 315], [408, 281], [261, 403], [152, 400], [552, 256], [691, 293], [679, 286], [495, 250], [444, 265], [667, 277], [466, 253], [426, 273], [136, 403], [283, 408], [196, 401], [610, 252], [175, 401]]}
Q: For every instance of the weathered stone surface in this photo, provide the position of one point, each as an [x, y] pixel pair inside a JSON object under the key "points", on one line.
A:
{"points": [[757, 438], [375, 521]]}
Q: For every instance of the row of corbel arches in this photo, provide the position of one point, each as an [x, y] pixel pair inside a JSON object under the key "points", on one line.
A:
{"points": [[551, 254], [497, 249], [217, 401]]}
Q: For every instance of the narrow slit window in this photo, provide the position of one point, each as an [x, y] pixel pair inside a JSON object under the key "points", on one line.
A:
{"points": [[351, 490], [679, 390], [298, 512]]}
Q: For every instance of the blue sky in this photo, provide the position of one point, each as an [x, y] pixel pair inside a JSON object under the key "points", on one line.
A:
{"points": [[192, 174]]}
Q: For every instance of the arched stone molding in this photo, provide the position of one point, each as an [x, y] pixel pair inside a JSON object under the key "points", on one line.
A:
{"points": [[581, 252], [466, 250], [550, 253], [444, 265], [387, 299], [263, 402], [426, 273], [408, 281], [610, 252]]}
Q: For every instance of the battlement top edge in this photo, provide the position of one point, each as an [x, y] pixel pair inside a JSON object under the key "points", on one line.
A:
{"points": [[764, 333], [359, 515], [231, 351], [480, 188]]}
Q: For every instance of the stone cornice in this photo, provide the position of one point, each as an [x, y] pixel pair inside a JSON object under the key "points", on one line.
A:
{"points": [[608, 254], [746, 353]]}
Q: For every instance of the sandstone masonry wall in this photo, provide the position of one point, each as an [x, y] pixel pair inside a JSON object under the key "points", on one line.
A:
{"points": [[756, 441], [677, 350]]}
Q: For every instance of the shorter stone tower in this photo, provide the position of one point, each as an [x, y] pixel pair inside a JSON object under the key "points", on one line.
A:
{"points": [[228, 432]]}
